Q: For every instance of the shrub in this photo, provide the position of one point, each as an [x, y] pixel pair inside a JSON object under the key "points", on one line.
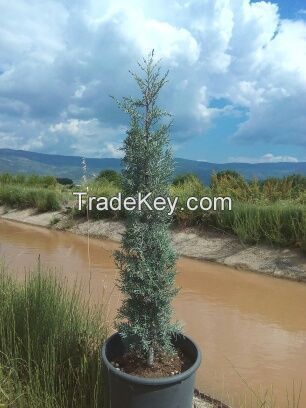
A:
{"points": [[186, 178], [64, 181], [231, 185], [185, 187], [229, 173], [101, 188], [110, 176]]}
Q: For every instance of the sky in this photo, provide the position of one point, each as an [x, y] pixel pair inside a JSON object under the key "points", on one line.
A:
{"points": [[237, 81]]}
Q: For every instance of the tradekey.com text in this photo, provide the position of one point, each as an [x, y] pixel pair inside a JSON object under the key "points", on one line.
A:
{"points": [[147, 202]]}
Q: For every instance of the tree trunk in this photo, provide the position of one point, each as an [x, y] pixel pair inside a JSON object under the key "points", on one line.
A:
{"points": [[151, 357]]}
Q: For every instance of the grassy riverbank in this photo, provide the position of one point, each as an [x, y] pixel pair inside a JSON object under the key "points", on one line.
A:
{"points": [[40, 192], [49, 344], [272, 211]]}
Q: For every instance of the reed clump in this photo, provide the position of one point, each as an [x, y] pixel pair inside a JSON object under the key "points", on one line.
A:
{"points": [[17, 196], [21, 191], [49, 344], [32, 180], [271, 211]]}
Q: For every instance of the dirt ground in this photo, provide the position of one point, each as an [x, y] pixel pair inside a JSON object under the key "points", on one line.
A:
{"points": [[209, 245], [198, 403]]}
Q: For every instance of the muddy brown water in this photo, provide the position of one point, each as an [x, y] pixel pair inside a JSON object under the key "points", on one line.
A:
{"points": [[251, 328]]}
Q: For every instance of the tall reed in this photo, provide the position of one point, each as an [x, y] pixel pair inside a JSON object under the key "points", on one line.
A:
{"points": [[49, 344], [18, 196]]}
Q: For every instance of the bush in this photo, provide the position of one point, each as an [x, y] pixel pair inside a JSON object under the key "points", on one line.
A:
{"points": [[110, 176], [186, 178], [101, 188], [229, 173], [274, 189], [231, 185], [184, 187], [64, 181], [298, 182]]}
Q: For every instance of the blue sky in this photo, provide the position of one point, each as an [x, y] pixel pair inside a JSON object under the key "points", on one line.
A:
{"points": [[237, 85], [291, 8]]}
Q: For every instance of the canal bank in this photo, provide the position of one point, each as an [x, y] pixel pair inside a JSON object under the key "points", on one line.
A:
{"points": [[207, 245]]}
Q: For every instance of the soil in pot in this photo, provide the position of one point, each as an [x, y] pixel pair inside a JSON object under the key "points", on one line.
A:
{"points": [[163, 366]]}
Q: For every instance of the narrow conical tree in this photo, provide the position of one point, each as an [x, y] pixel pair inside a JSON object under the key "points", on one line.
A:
{"points": [[146, 259]]}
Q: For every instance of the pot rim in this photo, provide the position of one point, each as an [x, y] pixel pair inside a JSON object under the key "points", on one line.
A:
{"points": [[152, 380]]}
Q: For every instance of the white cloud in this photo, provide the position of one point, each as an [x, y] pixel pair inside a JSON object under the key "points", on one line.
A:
{"points": [[112, 150], [59, 67], [170, 42], [79, 137], [266, 158], [80, 91]]}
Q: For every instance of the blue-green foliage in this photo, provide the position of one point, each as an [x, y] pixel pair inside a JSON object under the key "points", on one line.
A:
{"points": [[146, 259]]}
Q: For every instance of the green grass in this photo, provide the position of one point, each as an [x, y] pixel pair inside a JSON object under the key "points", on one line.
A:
{"points": [[281, 223], [20, 196], [49, 345], [102, 188], [33, 180], [272, 212], [32, 191]]}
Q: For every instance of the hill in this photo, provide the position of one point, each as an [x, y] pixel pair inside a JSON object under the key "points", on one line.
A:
{"points": [[20, 161]]}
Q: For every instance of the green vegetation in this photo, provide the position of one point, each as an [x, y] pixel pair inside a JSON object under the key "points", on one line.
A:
{"points": [[25, 197], [32, 180], [110, 176], [18, 161], [186, 178], [65, 181], [271, 211], [146, 259], [99, 188], [40, 192], [49, 345]]}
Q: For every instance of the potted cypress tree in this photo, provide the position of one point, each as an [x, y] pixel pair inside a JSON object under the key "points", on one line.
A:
{"points": [[148, 363]]}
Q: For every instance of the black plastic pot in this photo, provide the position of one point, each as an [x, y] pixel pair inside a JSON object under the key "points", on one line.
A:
{"points": [[130, 391]]}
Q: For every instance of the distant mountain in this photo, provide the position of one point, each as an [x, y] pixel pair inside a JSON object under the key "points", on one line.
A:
{"points": [[20, 161]]}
